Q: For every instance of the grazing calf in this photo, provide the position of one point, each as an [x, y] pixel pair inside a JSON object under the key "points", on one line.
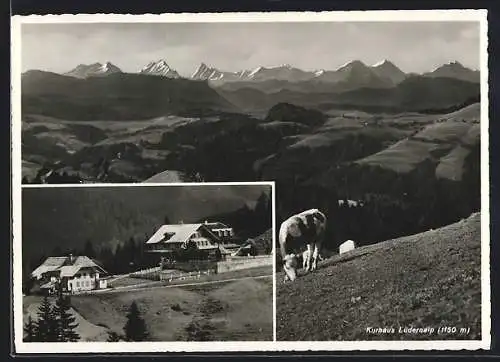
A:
{"points": [[304, 229]]}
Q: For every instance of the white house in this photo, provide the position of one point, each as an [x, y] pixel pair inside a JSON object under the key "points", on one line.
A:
{"points": [[208, 238], [75, 274]]}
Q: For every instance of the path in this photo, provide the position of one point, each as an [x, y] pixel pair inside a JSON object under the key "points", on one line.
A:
{"points": [[132, 288]]}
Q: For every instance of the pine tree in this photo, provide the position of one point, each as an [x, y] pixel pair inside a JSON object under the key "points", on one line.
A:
{"points": [[89, 250], [65, 320], [30, 330], [135, 328], [47, 323], [113, 337]]}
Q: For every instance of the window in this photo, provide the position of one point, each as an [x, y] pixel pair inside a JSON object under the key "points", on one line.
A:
{"points": [[78, 284]]}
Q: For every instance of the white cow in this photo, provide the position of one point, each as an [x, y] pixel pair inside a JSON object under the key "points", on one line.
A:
{"points": [[304, 229]]}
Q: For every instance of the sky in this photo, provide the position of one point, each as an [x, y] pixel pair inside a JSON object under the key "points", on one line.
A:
{"points": [[412, 46]]}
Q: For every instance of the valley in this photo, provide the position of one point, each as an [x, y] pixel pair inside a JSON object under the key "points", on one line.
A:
{"points": [[405, 144]]}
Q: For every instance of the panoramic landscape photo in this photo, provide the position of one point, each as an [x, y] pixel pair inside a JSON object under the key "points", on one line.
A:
{"points": [[370, 130], [150, 263]]}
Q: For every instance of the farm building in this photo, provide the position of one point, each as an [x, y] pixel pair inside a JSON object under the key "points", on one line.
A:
{"points": [[211, 240], [72, 273]]}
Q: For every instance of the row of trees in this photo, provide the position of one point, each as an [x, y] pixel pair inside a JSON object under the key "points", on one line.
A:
{"points": [[55, 323]]}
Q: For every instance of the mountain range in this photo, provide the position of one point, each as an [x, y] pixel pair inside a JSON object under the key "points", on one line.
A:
{"points": [[92, 70], [356, 73]]}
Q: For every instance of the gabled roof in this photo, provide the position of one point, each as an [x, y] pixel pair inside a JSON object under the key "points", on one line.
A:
{"points": [[176, 233], [65, 266], [69, 270], [50, 264], [216, 225]]}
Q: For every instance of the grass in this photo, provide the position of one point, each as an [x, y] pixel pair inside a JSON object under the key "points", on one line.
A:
{"points": [[233, 310], [404, 156], [430, 279], [244, 273], [88, 331], [451, 166], [469, 113], [237, 310], [444, 132]]}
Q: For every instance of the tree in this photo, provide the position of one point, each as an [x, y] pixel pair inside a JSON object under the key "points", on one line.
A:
{"points": [[47, 324], [65, 320], [28, 284], [89, 250], [113, 337], [135, 328], [30, 330]]}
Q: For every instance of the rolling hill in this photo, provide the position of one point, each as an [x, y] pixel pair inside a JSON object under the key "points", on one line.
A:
{"points": [[448, 142], [422, 280], [415, 93], [117, 96]]}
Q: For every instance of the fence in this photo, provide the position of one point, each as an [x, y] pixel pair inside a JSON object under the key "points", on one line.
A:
{"points": [[145, 273], [196, 269], [171, 275], [193, 265], [238, 263]]}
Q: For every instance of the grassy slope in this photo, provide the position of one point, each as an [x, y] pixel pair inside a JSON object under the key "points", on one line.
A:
{"points": [[238, 310], [429, 279], [241, 302], [86, 330], [447, 142]]}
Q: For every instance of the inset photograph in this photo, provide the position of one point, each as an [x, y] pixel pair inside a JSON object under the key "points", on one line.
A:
{"points": [[147, 263]]}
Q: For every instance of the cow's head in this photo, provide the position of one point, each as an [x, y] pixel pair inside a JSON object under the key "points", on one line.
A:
{"points": [[290, 266]]}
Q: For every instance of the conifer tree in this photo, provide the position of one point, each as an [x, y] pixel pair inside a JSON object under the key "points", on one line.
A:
{"points": [[47, 323], [113, 337], [135, 328], [65, 320], [30, 330]]}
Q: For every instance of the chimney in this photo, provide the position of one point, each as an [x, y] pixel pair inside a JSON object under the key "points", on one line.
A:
{"points": [[71, 259], [206, 222]]}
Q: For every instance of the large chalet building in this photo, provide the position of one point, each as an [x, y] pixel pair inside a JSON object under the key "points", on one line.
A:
{"points": [[213, 240], [72, 273]]}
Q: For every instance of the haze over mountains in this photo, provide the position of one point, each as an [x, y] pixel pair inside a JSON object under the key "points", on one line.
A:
{"points": [[103, 91]]}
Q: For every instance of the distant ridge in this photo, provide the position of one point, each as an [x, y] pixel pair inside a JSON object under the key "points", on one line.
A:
{"points": [[380, 74], [92, 70], [455, 70]]}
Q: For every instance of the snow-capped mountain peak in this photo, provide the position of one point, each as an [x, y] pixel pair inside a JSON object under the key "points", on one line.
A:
{"points": [[454, 69], [386, 69], [160, 68], [94, 69], [381, 63], [255, 71]]}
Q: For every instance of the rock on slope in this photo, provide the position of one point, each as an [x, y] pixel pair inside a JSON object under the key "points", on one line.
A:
{"points": [[430, 279]]}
